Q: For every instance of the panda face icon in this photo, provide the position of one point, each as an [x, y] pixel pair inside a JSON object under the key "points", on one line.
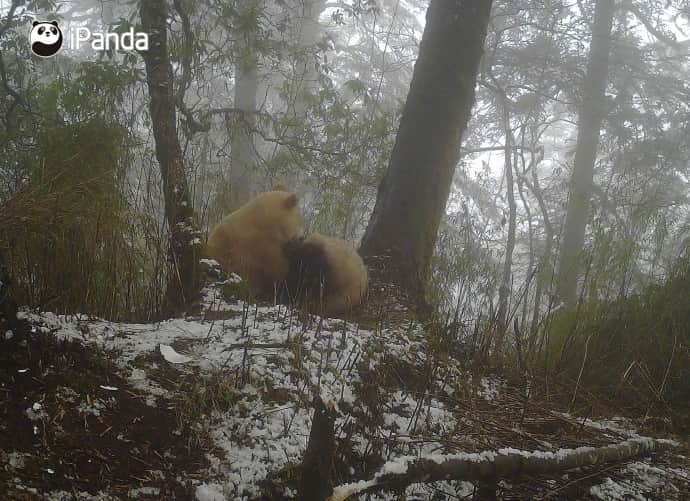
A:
{"points": [[45, 38]]}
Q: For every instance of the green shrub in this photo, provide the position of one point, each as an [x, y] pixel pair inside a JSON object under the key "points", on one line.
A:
{"points": [[636, 347]]}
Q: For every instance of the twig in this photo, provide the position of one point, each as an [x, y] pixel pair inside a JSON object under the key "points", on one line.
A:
{"points": [[579, 376], [249, 346], [660, 392], [596, 473]]}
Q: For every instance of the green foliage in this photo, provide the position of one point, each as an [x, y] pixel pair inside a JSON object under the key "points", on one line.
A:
{"points": [[203, 395], [464, 270], [241, 289], [93, 89], [635, 347], [70, 239], [340, 148]]}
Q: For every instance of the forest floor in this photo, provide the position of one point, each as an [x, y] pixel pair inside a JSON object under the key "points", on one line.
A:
{"points": [[218, 407]]}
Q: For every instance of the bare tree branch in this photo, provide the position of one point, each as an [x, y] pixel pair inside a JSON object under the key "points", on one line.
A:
{"points": [[193, 124], [483, 149], [658, 34]]}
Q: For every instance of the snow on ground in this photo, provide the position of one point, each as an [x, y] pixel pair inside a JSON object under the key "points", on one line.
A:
{"points": [[277, 362], [490, 387], [258, 434], [78, 496], [648, 482]]}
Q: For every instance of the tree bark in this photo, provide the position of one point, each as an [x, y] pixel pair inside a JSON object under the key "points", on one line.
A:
{"points": [[507, 273], [304, 80], [305, 75], [242, 147], [8, 308], [544, 265], [183, 282], [591, 115], [316, 480], [412, 195], [492, 465]]}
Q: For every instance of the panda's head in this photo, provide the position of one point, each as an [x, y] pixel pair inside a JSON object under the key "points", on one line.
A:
{"points": [[46, 38]]}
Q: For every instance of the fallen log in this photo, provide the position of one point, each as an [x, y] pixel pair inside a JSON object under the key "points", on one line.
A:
{"points": [[502, 463]]}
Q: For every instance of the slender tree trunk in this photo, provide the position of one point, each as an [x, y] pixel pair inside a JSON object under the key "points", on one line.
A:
{"points": [[8, 308], [505, 286], [530, 229], [591, 115], [412, 195], [545, 259], [242, 147], [183, 281]]}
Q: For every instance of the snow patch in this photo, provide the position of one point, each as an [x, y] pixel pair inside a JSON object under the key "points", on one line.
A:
{"points": [[209, 492], [172, 356]]}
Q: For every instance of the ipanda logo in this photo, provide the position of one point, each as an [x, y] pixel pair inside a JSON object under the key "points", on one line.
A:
{"points": [[46, 39], [128, 40]]}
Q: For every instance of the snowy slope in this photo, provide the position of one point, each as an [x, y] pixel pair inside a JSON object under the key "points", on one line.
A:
{"points": [[276, 362]]}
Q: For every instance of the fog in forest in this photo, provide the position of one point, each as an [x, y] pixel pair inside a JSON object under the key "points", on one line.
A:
{"points": [[344, 249]]}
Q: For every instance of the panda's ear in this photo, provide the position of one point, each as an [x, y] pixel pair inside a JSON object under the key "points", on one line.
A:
{"points": [[54, 23], [36, 22], [291, 201]]}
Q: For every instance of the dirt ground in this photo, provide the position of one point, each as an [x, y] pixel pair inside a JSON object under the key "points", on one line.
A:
{"points": [[69, 422]]}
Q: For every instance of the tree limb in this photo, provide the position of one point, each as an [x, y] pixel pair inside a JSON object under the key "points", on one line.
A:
{"points": [[658, 34], [482, 149], [192, 123], [10, 16]]}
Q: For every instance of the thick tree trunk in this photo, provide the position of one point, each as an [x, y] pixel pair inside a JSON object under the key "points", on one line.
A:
{"points": [[303, 82], [183, 280], [412, 195], [306, 76], [591, 115], [242, 147]]}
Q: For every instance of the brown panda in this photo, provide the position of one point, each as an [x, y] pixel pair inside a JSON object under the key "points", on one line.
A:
{"points": [[250, 241], [326, 274]]}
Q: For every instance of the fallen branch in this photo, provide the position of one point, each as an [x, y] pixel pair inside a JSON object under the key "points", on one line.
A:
{"points": [[251, 346], [488, 465]]}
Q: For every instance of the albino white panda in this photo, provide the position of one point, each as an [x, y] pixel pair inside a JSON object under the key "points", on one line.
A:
{"points": [[250, 241], [45, 38]]}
